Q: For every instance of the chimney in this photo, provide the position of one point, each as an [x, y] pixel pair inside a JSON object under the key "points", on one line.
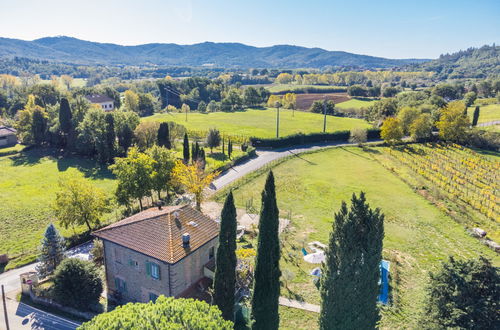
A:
{"points": [[185, 239]]}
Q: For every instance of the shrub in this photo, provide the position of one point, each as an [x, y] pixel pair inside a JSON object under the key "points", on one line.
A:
{"points": [[77, 283], [164, 313], [358, 135]]}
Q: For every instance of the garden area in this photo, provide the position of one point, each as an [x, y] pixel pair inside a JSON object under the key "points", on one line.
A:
{"points": [[258, 122], [28, 183], [418, 235]]}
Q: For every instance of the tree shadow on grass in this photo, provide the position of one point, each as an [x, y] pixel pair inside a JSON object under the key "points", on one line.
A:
{"points": [[218, 156], [356, 154], [88, 167], [32, 156]]}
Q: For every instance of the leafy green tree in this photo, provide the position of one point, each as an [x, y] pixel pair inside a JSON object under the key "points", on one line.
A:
{"points": [[406, 117], [164, 136], [225, 267], [251, 97], [202, 107], [453, 124], [382, 109], [164, 313], [146, 134], [51, 251], [125, 124], [390, 91], [349, 282], [213, 139], [463, 294], [470, 98], [92, 133], [147, 104], [185, 149], [391, 131], [266, 290], [475, 116], [39, 126], [421, 128], [163, 163], [212, 106], [97, 252], [77, 283], [134, 176], [125, 138], [79, 202], [317, 107]]}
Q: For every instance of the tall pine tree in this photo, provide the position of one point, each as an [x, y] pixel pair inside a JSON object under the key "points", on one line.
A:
{"points": [[267, 273], [225, 267], [164, 136], [51, 251], [229, 149], [110, 138], [475, 116], [349, 282], [185, 149]]}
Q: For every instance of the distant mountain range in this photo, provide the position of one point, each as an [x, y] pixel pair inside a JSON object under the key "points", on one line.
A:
{"points": [[227, 55]]}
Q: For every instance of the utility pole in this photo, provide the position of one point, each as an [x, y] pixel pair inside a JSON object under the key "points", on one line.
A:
{"points": [[324, 116], [278, 120], [5, 309]]}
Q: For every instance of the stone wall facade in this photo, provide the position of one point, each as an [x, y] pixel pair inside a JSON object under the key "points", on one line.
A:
{"points": [[124, 265]]}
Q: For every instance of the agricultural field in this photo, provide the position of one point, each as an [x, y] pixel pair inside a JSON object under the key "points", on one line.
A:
{"points": [[355, 103], [259, 123], [278, 88], [418, 235], [490, 112], [28, 182], [304, 101]]}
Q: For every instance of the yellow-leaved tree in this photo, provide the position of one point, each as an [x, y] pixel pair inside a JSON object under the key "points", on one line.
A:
{"points": [[453, 123], [194, 179], [391, 131]]}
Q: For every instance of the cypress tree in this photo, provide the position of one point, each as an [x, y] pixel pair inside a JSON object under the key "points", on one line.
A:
{"points": [[225, 267], [51, 251], [125, 137], [229, 149], [475, 116], [164, 136], [185, 149], [266, 290], [110, 138], [350, 275], [196, 151], [201, 158], [223, 146], [194, 155], [65, 116]]}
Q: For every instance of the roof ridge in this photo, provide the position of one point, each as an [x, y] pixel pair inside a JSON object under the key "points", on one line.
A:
{"points": [[170, 239], [117, 225]]}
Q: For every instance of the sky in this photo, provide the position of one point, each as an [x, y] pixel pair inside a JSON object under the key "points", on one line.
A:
{"points": [[386, 28]]}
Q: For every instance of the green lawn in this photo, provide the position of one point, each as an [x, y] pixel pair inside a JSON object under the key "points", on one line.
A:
{"points": [[260, 123], [487, 113], [355, 104], [418, 235], [28, 182]]}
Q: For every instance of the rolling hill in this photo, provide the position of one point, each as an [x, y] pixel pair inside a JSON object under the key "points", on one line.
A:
{"points": [[229, 55]]}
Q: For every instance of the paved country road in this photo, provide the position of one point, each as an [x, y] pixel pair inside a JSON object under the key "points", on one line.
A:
{"points": [[264, 157]]}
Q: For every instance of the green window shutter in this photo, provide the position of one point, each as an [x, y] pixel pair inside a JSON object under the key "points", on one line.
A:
{"points": [[117, 284], [159, 275], [148, 268], [124, 286], [130, 262]]}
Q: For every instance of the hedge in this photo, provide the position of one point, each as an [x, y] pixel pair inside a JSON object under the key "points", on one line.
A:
{"points": [[238, 160], [300, 138], [313, 90]]}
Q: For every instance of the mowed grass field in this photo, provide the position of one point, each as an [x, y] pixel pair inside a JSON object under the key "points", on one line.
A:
{"points": [[260, 123], [28, 182], [487, 113], [418, 236], [355, 104]]}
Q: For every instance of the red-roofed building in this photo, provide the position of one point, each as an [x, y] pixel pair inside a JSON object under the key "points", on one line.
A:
{"points": [[158, 251]]}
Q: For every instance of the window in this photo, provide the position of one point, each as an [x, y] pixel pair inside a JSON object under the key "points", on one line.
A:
{"points": [[211, 253], [153, 296], [120, 285], [118, 255], [153, 270], [133, 263]]}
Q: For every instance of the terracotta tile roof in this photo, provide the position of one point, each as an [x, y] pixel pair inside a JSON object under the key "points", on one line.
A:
{"points": [[157, 233], [97, 98]]}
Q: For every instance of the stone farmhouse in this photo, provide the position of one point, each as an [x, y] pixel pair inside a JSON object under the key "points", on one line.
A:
{"points": [[106, 103], [165, 251]]}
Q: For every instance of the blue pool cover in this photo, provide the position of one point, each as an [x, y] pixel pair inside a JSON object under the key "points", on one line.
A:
{"points": [[383, 297]]}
